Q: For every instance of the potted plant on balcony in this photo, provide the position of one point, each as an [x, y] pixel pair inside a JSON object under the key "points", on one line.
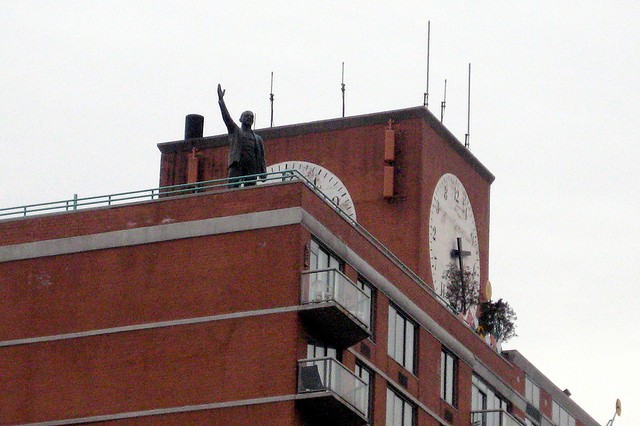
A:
{"points": [[498, 319]]}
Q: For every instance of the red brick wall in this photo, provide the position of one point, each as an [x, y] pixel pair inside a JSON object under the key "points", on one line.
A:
{"points": [[183, 278], [272, 414], [142, 370]]}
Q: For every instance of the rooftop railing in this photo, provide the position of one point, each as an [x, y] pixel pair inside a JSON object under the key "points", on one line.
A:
{"points": [[324, 285], [166, 191], [494, 418], [142, 195], [327, 374]]}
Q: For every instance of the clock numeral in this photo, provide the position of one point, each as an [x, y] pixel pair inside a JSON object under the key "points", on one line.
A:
{"points": [[445, 195], [432, 232], [456, 195], [336, 200], [287, 176]]}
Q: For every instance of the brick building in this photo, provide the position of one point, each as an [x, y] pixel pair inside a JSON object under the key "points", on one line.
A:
{"points": [[314, 297]]}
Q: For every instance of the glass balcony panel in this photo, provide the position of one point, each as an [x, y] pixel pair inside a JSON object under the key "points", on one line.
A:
{"points": [[327, 374], [332, 285], [494, 418]]}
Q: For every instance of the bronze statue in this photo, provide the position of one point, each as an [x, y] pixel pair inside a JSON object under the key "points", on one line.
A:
{"points": [[246, 149]]}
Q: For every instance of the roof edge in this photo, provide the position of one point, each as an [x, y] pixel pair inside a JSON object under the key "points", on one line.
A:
{"points": [[338, 124], [556, 393]]}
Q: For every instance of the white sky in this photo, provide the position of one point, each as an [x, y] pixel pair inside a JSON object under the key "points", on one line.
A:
{"points": [[88, 88]]}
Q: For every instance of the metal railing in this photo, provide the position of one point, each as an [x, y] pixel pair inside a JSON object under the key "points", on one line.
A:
{"points": [[494, 418], [327, 374], [189, 188], [324, 285], [147, 194]]}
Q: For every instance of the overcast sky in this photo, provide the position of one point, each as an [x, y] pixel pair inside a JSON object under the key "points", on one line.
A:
{"points": [[88, 88]]}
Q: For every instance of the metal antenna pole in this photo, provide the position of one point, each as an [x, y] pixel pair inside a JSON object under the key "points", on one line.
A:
{"points": [[426, 94], [443, 104], [343, 89], [271, 98], [467, 136]]}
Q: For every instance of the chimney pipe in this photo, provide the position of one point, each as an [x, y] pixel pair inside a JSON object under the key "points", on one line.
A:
{"points": [[193, 126]]}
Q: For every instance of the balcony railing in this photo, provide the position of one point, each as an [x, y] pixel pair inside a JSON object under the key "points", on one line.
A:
{"points": [[329, 375], [494, 418], [326, 285]]}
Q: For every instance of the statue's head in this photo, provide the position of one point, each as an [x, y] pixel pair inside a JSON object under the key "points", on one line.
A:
{"points": [[246, 119]]}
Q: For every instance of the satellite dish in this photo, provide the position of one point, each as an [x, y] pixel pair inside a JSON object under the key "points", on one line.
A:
{"points": [[618, 407], [487, 290]]}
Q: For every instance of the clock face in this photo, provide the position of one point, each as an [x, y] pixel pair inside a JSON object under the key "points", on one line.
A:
{"points": [[450, 218], [322, 178]]}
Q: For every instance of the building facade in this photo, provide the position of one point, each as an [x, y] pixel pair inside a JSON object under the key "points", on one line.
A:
{"points": [[314, 297]]}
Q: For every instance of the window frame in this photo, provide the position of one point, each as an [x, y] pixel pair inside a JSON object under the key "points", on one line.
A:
{"points": [[448, 377], [560, 416], [317, 249], [532, 392], [317, 349], [366, 286], [394, 397], [491, 398], [394, 339], [360, 367]]}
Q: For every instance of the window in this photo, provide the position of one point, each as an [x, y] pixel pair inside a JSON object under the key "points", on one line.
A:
{"points": [[401, 341], [561, 417], [318, 350], [321, 258], [368, 310], [532, 392], [485, 403], [448, 377], [367, 375], [400, 412]]}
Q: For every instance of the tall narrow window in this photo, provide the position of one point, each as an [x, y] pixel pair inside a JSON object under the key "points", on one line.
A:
{"points": [[370, 307], [401, 339], [326, 370], [367, 376], [487, 405], [323, 282], [532, 393], [318, 350], [448, 373], [400, 412], [321, 258], [561, 417]]}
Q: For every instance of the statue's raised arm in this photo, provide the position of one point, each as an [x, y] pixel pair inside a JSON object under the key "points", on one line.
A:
{"points": [[226, 117], [246, 149]]}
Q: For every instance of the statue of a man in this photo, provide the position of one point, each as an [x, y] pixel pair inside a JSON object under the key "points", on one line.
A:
{"points": [[246, 149]]}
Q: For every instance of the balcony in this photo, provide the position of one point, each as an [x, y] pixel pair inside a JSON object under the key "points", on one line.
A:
{"points": [[338, 311], [328, 393], [494, 418]]}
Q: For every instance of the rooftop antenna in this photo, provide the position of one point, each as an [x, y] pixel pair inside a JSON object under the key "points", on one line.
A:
{"points": [[443, 104], [271, 98], [426, 94], [466, 137], [342, 86]]}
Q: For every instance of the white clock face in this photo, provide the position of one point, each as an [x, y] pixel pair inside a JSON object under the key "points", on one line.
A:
{"points": [[322, 178], [451, 217]]}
